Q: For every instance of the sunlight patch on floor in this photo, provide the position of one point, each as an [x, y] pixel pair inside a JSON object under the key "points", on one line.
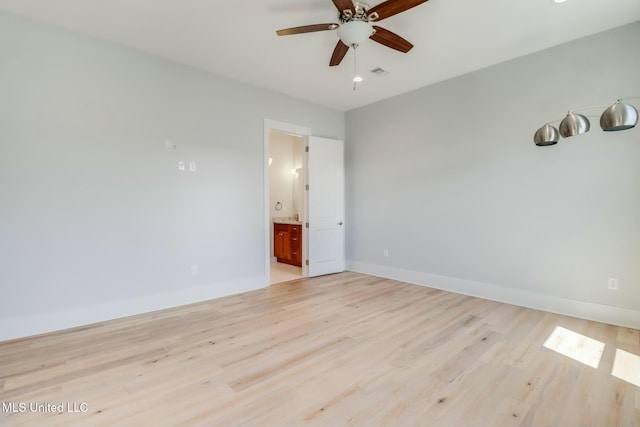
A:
{"points": [[576, 346], [626, 366]]}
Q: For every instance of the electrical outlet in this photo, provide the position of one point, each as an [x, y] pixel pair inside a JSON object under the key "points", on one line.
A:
{"points": [[386, 253], [612, 285], [180, 166], [194, 270]]}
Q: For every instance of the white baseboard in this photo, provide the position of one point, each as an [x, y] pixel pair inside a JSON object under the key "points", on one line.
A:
{"points": [[554, 304], [20, 327]]}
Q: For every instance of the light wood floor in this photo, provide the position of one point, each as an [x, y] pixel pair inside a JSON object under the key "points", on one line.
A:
{"points": [[339, 350]]}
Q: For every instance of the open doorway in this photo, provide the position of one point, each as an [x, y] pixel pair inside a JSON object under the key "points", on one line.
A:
{"points": [[286, 207], [320, 211], [285, 202]]}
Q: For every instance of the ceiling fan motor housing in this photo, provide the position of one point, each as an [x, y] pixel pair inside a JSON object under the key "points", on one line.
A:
{"points": [[361, 10]]}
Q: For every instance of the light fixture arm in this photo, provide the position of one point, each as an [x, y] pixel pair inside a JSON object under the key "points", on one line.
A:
{"points": [[576, 110], [587, 108]]}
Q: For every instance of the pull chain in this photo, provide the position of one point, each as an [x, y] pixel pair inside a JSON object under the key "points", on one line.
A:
{"points": [[356, 77]]}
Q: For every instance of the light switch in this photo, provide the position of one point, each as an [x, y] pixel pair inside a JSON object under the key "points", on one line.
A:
{"points": [[192, 166]]}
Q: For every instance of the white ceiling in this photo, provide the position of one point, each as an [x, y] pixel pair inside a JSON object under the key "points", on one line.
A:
{"points": [[237, 39]]}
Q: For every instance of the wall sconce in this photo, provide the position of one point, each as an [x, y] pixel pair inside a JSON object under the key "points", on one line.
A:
{"points": [[619, 116]]}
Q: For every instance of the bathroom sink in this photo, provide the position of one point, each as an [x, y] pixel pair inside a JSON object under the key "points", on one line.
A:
{"points": [[286, 220]]}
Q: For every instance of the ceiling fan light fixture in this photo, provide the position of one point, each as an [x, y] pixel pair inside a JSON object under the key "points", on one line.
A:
{"points": [[355, 32], [357, 79], [356, 26]]}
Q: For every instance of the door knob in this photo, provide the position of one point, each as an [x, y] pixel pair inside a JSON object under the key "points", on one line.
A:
{"points": [[340, 223]]}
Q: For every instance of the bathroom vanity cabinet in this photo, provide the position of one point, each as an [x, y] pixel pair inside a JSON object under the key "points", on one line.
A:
{"points": [[287, 243]]}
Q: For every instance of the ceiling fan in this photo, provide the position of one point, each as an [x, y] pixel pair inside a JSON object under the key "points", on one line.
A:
{"points": [[356, 26]]}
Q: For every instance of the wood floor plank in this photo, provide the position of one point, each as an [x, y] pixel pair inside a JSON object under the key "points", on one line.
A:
{"points": [[338, 350]]}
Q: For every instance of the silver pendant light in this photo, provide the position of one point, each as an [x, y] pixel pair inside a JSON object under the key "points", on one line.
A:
{"points": [[574, 124], [546, 135], [619, 116]]}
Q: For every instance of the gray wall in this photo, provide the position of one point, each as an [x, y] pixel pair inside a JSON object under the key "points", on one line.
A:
{"points": [[96, 221], [447, 178]]}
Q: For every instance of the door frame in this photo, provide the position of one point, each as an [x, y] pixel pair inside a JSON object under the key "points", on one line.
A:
{"points": [[296, 130]]}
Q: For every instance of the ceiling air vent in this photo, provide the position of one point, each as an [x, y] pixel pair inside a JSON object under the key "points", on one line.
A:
{"points": [[379, 71]]}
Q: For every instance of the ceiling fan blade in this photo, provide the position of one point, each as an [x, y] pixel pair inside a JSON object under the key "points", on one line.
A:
{"points": [[307, 29], [390, 39], [393, 7], [342, 5], [338, 53]]}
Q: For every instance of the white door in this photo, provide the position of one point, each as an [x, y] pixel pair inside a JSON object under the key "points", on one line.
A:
{"points": [[326, 206]]}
